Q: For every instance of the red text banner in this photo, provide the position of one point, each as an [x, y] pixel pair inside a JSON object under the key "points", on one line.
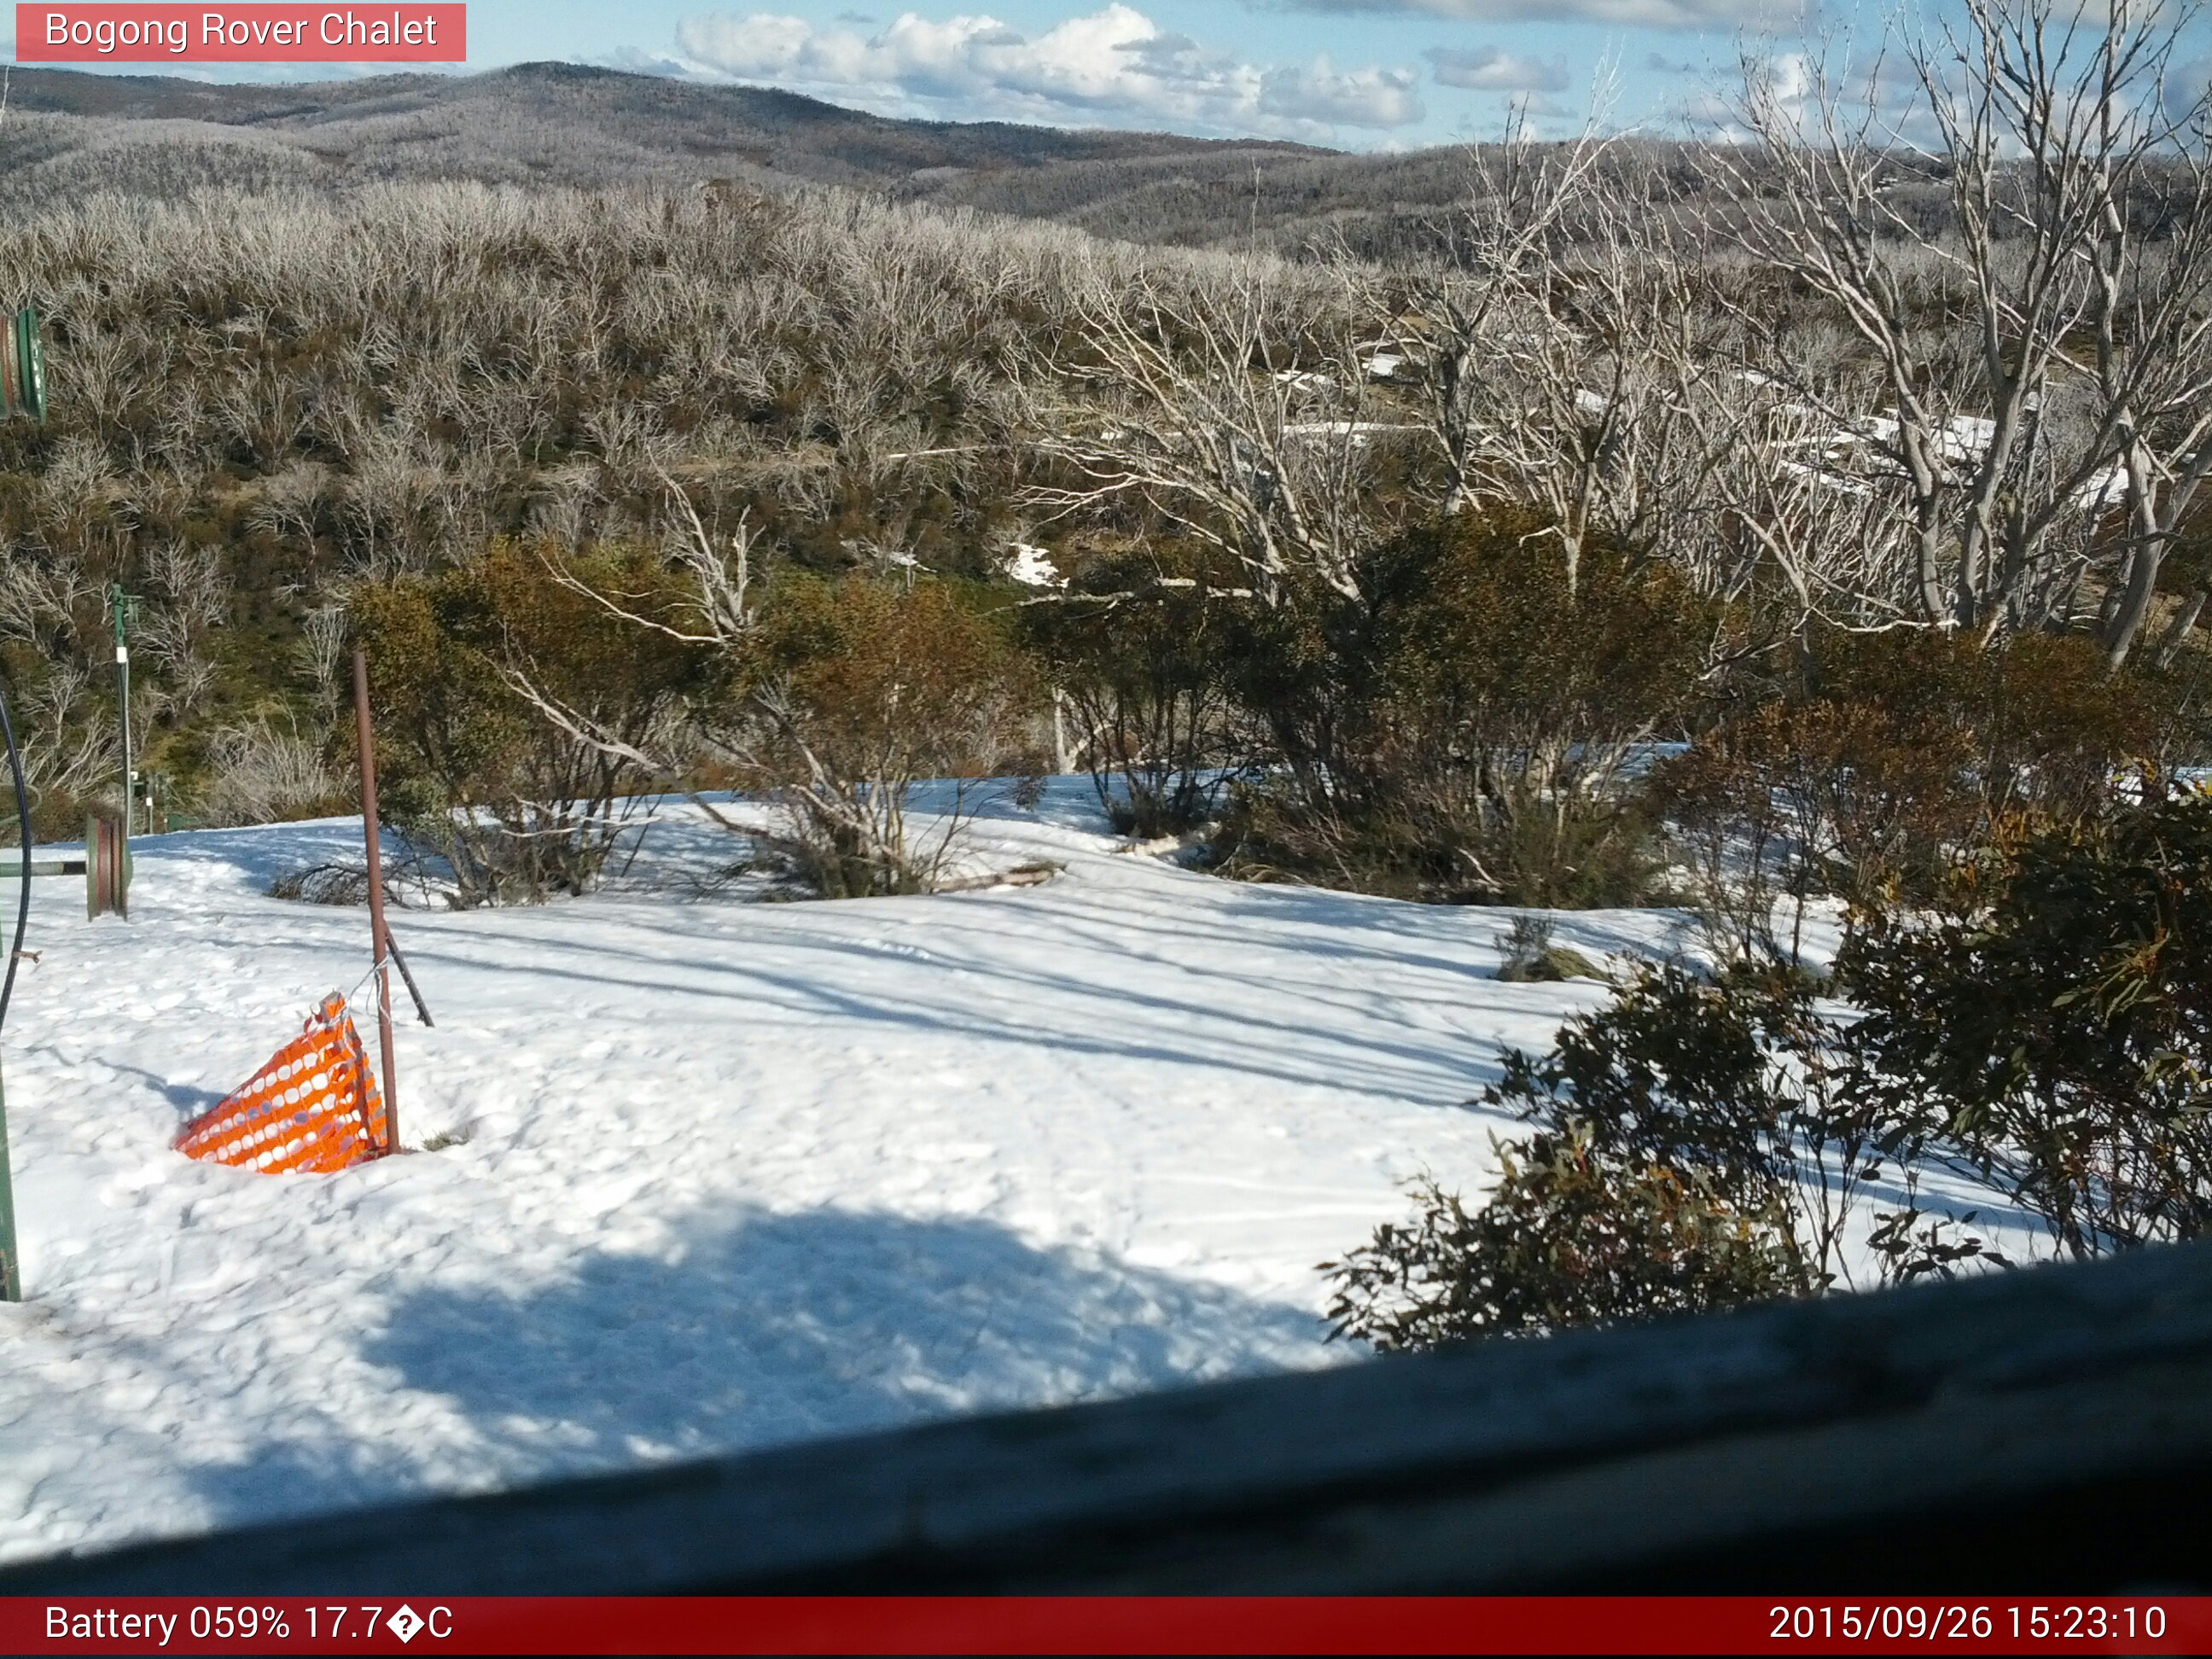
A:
{"points": [[325, 34], [1101, 1624]]}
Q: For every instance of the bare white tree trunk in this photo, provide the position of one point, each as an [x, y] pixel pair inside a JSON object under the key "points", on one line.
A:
{"points": [[2002, 437]]}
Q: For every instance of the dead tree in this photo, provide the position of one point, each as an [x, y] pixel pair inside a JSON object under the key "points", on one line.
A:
{"points": [[1192, 397], [2047, 128]]}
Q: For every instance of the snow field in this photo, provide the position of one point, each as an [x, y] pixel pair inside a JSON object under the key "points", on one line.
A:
{"points": [[718, 1175], [708, 1174]]}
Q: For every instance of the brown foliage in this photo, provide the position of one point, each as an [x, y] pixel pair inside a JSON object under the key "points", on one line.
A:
{"points": [[853, 691], [520, 807], [1893, 749]]}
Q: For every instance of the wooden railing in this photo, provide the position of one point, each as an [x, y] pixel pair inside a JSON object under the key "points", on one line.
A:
{"points": [[2041, 1431]]}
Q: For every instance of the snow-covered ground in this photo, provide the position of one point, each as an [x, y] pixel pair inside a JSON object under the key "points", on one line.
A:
{"points": [[718, 1175]]}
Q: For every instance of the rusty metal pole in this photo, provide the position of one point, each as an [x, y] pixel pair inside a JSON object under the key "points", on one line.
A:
{"points": [[374, 832]]}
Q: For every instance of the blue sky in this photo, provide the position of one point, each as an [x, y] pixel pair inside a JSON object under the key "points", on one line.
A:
{"points": [[1360, 74]]}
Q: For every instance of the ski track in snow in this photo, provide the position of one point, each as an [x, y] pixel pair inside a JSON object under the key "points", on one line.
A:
{"points": [[734, 1174]]}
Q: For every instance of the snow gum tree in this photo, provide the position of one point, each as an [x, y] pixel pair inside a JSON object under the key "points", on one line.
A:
{"points": [[2042, 349]]}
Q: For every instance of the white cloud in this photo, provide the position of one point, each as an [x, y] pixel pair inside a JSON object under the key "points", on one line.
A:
{"points": [[1491, 69], [1789, 89], [1369, 97], [1535, 107], [1627, 14], [1114, 67], [1788, 76]]}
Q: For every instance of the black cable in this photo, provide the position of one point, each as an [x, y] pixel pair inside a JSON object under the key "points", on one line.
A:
{"points": [[23, 817]]}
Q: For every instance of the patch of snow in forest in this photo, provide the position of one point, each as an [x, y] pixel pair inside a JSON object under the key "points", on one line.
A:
{"points": [[1032, 567]]}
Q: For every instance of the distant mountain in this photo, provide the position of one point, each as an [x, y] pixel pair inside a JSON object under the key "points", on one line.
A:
{"points": [[566, 124]]}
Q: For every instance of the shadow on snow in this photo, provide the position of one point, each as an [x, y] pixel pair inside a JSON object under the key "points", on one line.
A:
{"points": [[747, 1332]]}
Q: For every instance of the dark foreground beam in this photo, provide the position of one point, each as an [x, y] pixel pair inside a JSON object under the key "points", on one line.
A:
{"points": [[2037, 1433]]}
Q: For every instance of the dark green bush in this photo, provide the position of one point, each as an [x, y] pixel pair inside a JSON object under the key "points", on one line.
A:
{"points": [[2048, 1023], [1570, 1237], [1136, 647], [1743, 1080], [1461, 734], [2052, 1019], [1696, 1144]]}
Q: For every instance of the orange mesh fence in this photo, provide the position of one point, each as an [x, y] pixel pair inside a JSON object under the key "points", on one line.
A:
{"points": [[315, 1106]]}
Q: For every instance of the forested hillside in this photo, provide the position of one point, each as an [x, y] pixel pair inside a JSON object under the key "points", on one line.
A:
{"points": [[291, 371], [559, 123]]}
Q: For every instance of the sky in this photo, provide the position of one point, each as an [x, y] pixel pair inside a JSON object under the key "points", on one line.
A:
{"points": [[1353, 74]]}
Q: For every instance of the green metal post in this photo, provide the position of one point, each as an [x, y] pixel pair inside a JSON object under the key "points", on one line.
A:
{"points": [[126, 608], [22, 366], [11, 1274]]}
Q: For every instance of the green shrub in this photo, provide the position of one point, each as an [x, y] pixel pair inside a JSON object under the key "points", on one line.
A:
{"points": [[2047, 1023], [1570, 1237], [2052, 1019], [1136, 647], [1886, 753], [1697, 1143], [1743, 1080], [1532, 958], [1460, 734], [849, 692]]}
